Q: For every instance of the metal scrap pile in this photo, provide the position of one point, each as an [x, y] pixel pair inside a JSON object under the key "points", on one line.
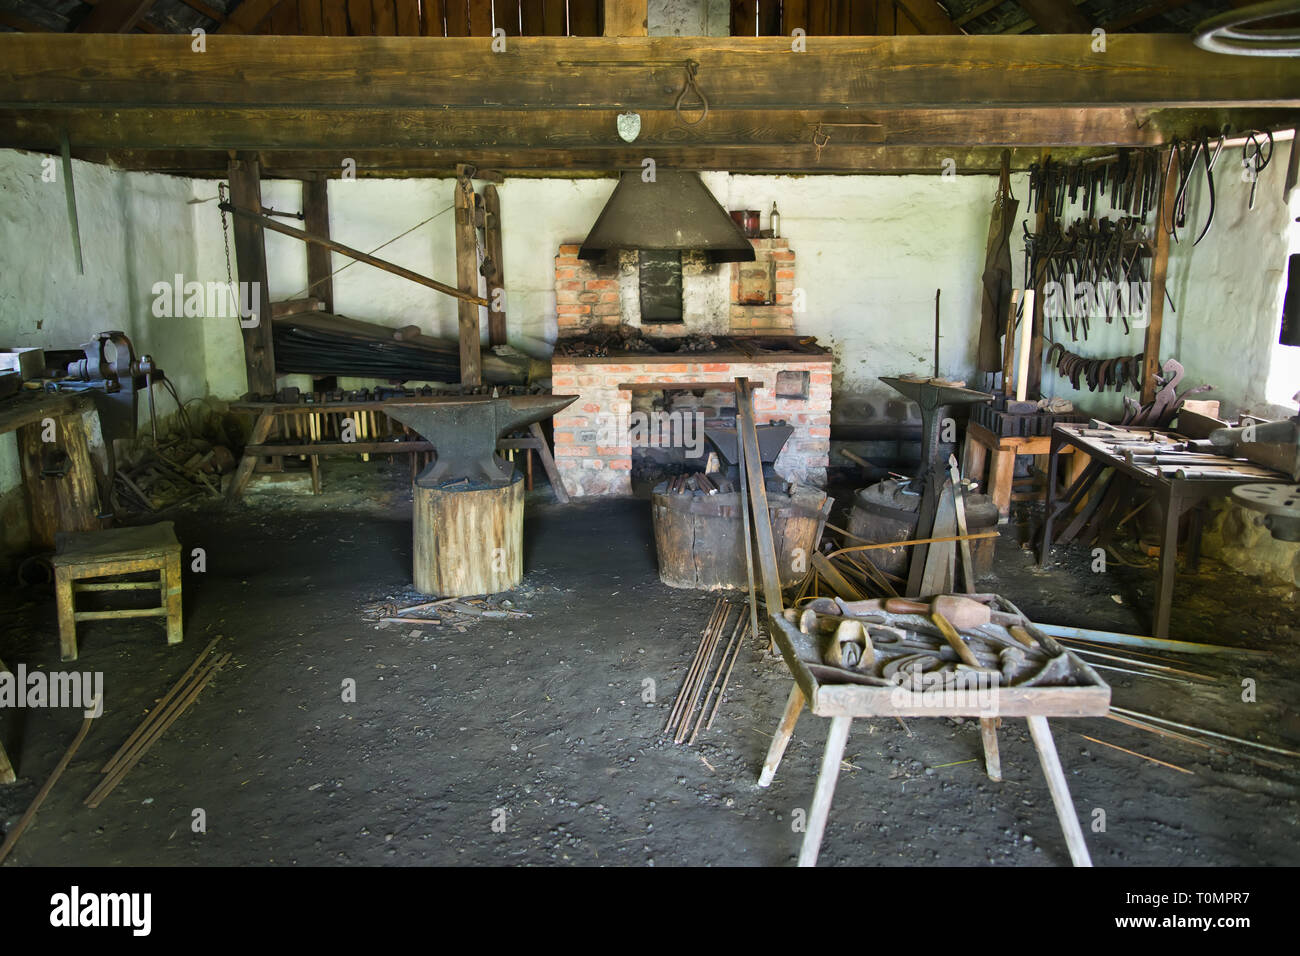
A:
{"points": [[451, 612]]}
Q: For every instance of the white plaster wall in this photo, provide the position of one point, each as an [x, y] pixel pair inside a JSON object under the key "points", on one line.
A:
{"points": [[539, 215], [1227, 297], [1229, 289], [870, 251], [136, 229], [709, 18]]}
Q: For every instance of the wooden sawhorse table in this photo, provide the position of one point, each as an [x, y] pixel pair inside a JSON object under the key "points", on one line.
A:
{"points": [[843, 702], [1000, 452]]}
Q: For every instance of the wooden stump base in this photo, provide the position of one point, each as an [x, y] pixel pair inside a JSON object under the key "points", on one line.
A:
{"points": [[469, 541]]}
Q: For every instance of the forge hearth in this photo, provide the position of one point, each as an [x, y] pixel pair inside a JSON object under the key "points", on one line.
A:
{"points": [[593, 436]]}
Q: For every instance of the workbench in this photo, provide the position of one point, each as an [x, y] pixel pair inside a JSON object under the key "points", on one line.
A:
{"points": [[1000, 451], [314, 429], [821, 688], [1105, 446]]}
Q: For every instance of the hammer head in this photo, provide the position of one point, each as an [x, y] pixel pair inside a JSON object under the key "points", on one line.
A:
{"points": [[961, 612]]}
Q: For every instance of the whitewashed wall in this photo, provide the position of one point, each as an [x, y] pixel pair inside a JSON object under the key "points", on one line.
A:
{"points": [[136, 229]]}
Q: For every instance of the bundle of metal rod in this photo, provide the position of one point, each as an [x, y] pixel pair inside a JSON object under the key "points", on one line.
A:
{"points": [[183, 693], [697, 676]]}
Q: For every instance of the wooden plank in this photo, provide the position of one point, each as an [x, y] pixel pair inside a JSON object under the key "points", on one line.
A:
{"points": [[584, 18], [316, 209], [408, 17], [250, 255], [246, 17], [383, 17], [867, 73], [495, 262], [1056, 16], [533, 13], [767, 558], [413, 127], [360, 22], [467, 278], [212, 13], [480, 18], [334, 17], [265, 222], [887, 17], [556, 16], [625, 18], [457, 13], [114, 16], [432, 18], [569, 162], [1159, 274], [862, 18], [284, 19], [929, 17], [311, 18], [744, 18], [548, 463], [794, 14]]}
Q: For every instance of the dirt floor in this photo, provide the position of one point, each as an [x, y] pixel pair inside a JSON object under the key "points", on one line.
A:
{"points": [[544, 717]]}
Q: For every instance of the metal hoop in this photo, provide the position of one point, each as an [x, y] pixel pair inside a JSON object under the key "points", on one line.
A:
{"points": [[1225, 34]]}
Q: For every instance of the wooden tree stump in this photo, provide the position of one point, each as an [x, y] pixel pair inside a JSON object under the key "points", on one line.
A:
{"points": [[469, 541]]}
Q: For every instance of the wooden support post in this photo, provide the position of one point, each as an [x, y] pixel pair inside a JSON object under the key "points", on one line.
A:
{"points": [[1159, 271], [316, 213], [1036, 283], [494, 266], [250, 255], [467, 276]]}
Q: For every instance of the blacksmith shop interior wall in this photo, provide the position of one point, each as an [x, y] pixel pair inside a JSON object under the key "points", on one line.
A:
{"points": [[136, 229]]}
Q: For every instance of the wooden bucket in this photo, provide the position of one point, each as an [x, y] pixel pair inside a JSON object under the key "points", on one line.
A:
{"points": [[700, 544]]}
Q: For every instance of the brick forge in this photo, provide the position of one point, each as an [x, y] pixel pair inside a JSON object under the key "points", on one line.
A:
{"points": [[802, 398]]}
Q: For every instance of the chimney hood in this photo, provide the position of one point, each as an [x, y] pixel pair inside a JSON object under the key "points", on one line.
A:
{"points": [[675, 211]]}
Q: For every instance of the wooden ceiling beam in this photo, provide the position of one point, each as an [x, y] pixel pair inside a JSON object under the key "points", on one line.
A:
{"points": [[403, 164], [281, 128], [618, 73]]}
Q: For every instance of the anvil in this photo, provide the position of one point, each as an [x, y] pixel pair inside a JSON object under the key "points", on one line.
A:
{"points": [[464, 429]]}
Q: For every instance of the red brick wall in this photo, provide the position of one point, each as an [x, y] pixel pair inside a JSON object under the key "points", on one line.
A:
{"points": [[589, 467], [586, 294]]}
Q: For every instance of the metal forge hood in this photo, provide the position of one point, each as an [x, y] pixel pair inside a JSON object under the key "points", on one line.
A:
{"points": [[675, 211]]}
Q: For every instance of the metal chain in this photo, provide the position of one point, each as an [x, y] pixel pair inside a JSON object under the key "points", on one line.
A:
{"points": [[225, 235]]}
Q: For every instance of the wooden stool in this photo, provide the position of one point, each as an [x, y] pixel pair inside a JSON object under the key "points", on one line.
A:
{"points": [[1000, 451], [96, 554]]}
